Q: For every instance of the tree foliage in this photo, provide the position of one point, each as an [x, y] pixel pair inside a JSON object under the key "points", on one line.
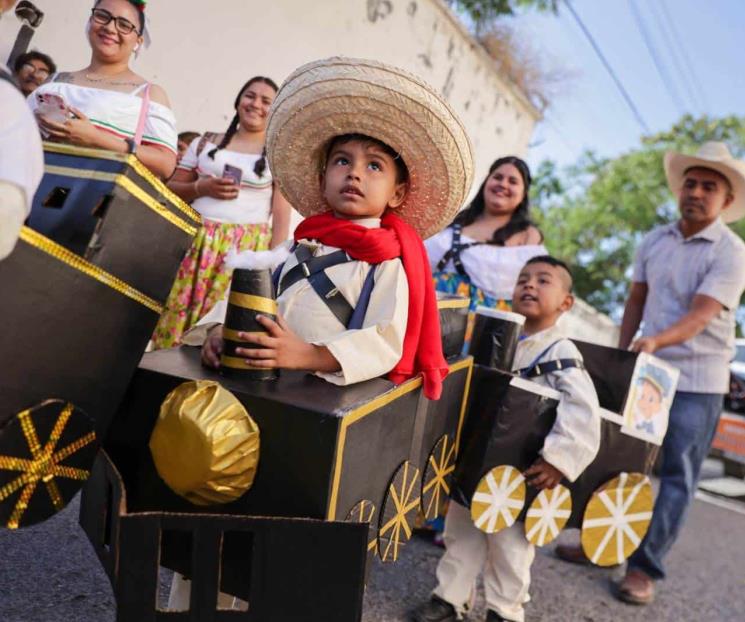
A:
{"points": [[594, 213], [484, 11]]}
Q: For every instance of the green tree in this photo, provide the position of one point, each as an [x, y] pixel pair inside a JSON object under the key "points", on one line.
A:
{"points": [[594, 213], [484, 11]]}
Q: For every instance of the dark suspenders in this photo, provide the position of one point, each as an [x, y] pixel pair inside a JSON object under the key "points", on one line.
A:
{"points": [[539, 369], [456, 248], [313, 269]]}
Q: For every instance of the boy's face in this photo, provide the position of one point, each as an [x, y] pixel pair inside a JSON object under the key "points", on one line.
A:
{"points": [[649, 401], [360, 181], [542, 292]]}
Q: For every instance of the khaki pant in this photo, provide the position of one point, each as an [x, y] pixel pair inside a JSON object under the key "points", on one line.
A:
{"points": [[505, 559]]}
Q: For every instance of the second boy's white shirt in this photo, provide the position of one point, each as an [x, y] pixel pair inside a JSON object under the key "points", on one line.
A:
{"points": [[365, 353], [505, 557], [574, 439]]}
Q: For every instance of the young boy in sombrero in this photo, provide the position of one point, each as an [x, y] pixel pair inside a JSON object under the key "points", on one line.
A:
{"points": [[374, 159]]}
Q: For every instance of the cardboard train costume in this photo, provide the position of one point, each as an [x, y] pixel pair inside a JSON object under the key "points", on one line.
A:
{"points": [[291, 484]]}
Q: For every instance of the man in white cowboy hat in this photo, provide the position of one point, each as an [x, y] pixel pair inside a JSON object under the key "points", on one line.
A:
{"points": [[687, 282]]}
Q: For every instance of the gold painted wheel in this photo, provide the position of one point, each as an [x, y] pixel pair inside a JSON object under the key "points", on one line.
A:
{"points": [[548, 515], [617, 518], [499, 499], [363, 512], [46, 453], [399, 511], [438, 476]]}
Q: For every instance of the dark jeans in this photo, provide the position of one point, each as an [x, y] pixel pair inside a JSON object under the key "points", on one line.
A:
{"points": [[693, 422]]}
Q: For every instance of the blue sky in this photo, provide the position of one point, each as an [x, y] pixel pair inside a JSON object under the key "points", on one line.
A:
{"points": [[590, 112]]}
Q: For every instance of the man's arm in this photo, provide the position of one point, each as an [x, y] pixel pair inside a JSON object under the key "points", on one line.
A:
{"points": [[632, 313], [703, 310]]}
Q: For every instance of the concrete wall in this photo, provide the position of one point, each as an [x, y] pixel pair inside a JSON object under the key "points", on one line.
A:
{"points": [[202, 53]]}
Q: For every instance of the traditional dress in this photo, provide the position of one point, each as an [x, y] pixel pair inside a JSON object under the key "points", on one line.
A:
{"points": [[505, 557], [484, 273], [240, 224], [115, 112]]}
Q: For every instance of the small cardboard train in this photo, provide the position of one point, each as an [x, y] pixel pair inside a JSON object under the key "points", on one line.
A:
{"points": [[341, 471]]}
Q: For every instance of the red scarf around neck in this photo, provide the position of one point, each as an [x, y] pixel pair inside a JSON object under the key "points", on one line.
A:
{"points": [[422, 351]]}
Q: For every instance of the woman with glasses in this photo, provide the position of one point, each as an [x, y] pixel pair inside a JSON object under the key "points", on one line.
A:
{"points": [[32, 69], [106, 105]]}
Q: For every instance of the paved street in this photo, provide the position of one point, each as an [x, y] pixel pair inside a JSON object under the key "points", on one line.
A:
{"points": [[50, 574]]}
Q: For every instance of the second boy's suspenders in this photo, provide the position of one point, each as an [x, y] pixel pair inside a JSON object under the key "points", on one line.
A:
{"points": [[539, 369], [313, 269]]}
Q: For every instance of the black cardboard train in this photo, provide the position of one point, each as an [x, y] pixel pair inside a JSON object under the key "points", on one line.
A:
{"points": [[342, 471]]}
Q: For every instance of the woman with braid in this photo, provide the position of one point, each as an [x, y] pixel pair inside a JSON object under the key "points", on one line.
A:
{"points": [[226, 179]]}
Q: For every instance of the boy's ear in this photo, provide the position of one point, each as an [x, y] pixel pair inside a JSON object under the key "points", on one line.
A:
{"points": [[567, 303], [399, 194]]}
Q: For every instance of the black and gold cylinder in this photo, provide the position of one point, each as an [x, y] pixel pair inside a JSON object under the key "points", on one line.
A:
{"points": [[251, 294]]}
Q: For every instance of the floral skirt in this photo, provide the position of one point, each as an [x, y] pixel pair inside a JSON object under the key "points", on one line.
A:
{"points": [[454, 283], [202, 278]]}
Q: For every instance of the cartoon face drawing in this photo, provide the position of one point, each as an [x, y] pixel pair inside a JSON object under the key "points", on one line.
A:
{"points": [[648, 401]]}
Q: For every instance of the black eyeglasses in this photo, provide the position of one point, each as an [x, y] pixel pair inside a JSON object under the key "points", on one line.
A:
{"points": [[123, 25]]}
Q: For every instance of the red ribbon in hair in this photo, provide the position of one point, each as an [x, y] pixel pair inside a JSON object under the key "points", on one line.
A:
{"points": [[422, 352]]}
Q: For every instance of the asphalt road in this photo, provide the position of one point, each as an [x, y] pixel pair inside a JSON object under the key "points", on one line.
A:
{"points": [[49, 573]]}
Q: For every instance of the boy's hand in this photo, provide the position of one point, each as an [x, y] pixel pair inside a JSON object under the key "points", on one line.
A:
{"points": [[282, 348], [212, 348], [542, 475]]}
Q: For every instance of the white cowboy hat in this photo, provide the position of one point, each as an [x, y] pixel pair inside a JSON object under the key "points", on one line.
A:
{"points": [[337, 96], [714, 156]]}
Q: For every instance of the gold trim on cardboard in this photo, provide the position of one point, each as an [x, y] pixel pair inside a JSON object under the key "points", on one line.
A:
{"points": [[235, 362], [255, 303], [78, 263], [460, 303], [129, 186], [131, 160], [232, 335], [44, 464], [467, 362], [373, 405]]}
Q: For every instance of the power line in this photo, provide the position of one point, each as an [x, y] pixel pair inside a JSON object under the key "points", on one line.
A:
{"points": [[684, 55], [608, 68], [684, 75], [661, 69]]}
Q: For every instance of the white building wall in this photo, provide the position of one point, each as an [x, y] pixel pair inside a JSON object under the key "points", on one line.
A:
{"points": [[203, 52]]}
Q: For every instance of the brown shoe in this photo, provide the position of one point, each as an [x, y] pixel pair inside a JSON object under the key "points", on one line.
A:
{"points": [[572, 553], [636, 588]]}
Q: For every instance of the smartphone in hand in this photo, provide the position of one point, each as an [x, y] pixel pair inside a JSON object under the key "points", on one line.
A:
{"points": [[53, 107], [233, 173]]}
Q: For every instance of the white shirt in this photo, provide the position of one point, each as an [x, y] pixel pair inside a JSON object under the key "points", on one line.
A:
{"points": [[675, 269], [574, 439], [493, 269], [254, 202], [21, 164], [115, 112], [365, 353]]}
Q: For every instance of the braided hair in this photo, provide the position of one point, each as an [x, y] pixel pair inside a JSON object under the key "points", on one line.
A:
{"points": [[260, 166], [520, 219]]}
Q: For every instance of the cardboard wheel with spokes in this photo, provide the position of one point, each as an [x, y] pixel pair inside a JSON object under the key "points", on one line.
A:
{"points": [[363, 512], [438, 477], [46, 454], [398, 512], [499, 499], [548, 515], [617, 518]]}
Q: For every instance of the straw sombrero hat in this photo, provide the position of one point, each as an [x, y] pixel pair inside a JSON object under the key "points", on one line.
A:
{"points": [[715, 156], [337, 96]]}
